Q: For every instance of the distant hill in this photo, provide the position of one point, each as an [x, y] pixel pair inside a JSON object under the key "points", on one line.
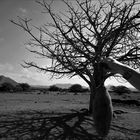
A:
{"points": [[39, 86], [63, 86], [4, 79], [66, 86]]}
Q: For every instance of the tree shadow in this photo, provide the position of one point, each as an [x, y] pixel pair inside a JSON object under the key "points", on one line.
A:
{"points": [[47, 126], [75, 125]]}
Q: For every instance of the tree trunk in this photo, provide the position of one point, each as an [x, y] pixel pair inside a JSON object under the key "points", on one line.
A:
{"points": [[92, 94], [102, 111], [100, 103], [95, 82]]}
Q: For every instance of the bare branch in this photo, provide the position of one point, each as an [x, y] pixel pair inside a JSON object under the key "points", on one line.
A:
{"points": [[87, 32]]}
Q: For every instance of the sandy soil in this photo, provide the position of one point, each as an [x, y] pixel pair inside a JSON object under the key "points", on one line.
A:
{"points": [[56, 117]]}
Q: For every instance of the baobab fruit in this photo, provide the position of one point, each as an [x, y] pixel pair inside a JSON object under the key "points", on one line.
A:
{"points": [[102, 111]]}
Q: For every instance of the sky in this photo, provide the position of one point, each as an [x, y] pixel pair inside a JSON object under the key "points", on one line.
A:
{"points": [[12, 43]]}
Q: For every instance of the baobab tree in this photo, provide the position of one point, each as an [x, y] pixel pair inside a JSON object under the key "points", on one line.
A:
{"points": [[77, 40]]}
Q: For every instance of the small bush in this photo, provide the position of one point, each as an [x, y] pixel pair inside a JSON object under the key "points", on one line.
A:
{"points": [[18, 88], [25, 86], [85, 90], [76, 88], [7, 87], [54, 88], [121, 89]]}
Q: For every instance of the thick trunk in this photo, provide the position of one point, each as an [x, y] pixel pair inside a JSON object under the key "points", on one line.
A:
{"points": [[96, 81], [100, 103], [92, 94], [102, 111]]}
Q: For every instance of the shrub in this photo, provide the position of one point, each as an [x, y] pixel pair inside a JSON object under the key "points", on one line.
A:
{"points": [[121, 89], [76, 88], [54, 88], [112, 88], [18, 88], [25, 86], [7, 87], [85, 90]]}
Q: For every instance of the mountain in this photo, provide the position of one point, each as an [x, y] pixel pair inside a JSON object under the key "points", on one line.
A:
{"points": [[66, 86], [4, 79], [39, 86], [63, 86]]}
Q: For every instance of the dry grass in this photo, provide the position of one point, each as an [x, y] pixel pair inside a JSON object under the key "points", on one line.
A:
{"points": [[59, 117]]}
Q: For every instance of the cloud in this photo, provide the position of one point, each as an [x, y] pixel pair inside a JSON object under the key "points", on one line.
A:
{"points": [[33, 77], [24, 76]]}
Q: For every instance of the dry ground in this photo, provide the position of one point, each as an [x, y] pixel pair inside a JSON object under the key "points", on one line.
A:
{"points": [[59, 117]]}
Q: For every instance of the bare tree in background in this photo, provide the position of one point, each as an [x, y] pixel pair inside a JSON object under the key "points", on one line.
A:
{"points": [[77, 40]]}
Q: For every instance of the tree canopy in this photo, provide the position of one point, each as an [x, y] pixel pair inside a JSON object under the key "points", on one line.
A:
{"points": [[78, 39], [87, 32]]}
